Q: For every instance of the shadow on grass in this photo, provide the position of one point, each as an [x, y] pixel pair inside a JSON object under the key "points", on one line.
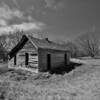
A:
{"points": [[65, 69]]}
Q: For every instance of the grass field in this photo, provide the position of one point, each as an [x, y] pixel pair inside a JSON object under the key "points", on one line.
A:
{"points": [[82, 83]]}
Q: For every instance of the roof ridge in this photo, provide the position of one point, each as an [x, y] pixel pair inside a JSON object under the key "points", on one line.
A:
{"points": [[42, 43]]}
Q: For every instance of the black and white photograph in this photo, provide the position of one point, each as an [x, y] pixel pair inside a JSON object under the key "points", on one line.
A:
{"points": [[49, 49]]}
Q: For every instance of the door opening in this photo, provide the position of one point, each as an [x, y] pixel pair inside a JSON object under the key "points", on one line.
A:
{"points": [[15, 60], [26, 58], [48, 61]]}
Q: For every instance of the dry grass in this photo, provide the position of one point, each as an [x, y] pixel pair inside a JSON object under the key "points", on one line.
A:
{"points": [[83, 83], [87, 61]]}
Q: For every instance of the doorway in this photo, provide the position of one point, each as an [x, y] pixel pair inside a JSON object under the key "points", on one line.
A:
{"points": [[48, 62], [26, 58]]}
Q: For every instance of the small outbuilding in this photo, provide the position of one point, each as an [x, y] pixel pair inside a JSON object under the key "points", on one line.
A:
{"points": [[39, 55]]}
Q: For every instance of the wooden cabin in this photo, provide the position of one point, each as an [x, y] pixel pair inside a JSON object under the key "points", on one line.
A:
{"points": [[39, 55]]}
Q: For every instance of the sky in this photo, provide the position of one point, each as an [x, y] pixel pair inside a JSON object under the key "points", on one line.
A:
{"points": [[58, 19]]}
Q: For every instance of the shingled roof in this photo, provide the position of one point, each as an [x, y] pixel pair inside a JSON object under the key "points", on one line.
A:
{"points": [[46, 44]]}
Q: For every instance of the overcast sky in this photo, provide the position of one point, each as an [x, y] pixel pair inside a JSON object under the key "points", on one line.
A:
{"points": [[60, 19]]}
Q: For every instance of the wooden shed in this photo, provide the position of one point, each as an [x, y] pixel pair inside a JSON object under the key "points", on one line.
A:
{"points": [[39, 55]]}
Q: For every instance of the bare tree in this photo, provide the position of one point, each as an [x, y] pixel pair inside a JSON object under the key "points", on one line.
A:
{"points": [[8, 41], [73, 48], [3, 41], [16, 36], [89, 42], [3, 45]]}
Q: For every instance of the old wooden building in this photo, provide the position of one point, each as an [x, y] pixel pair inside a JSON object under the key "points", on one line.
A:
{"points": [[38, 54]]}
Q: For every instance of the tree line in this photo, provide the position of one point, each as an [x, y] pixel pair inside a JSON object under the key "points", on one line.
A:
{"points": [[10, 40], [87, 44]]}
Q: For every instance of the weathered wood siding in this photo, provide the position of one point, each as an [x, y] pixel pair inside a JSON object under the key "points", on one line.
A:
{"points": [[42, 60], [32, 60], [57, 59], [68, 58], [20, 57]]}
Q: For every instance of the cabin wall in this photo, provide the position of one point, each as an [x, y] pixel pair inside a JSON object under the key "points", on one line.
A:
{"points": [[32, 59], [21, 58], [42, 60], [57, 59]]}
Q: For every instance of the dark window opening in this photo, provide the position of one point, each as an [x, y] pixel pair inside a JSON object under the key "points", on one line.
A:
{"points": [[15, 60], [33, 54], [49, 62], [26, 58]]}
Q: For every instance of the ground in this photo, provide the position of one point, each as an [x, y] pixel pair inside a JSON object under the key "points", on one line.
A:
{"points": [[82, 83]]}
